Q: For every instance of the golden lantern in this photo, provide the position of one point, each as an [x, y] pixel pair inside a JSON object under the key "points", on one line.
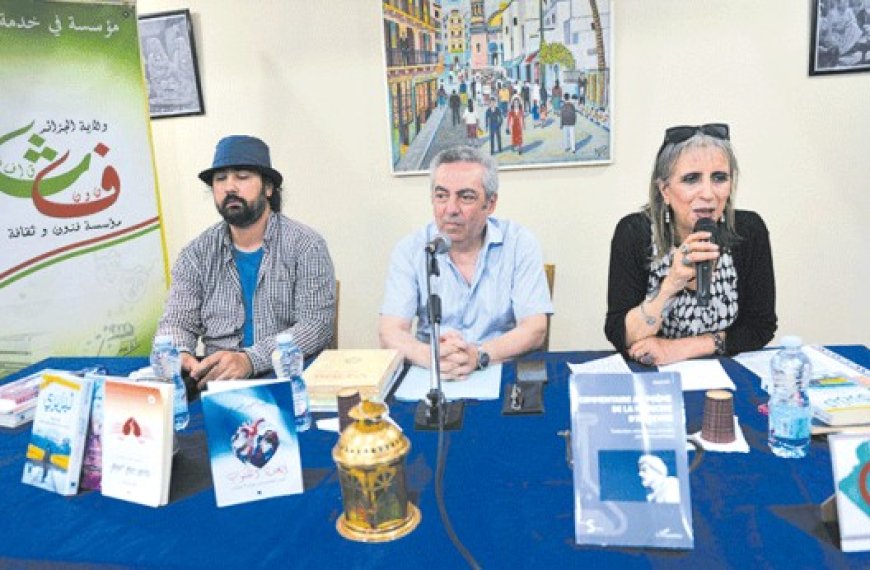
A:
{"points": [[370, 455]]}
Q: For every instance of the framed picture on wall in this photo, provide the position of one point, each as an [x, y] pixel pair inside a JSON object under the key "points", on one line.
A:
{"points": [[171, 69], [532, 88], [840, 41]]}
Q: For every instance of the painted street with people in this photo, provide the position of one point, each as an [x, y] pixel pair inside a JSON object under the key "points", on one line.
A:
{"points": [[543, 137]]}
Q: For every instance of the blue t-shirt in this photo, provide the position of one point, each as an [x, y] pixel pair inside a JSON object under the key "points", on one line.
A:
{"points": [[248, 264]]}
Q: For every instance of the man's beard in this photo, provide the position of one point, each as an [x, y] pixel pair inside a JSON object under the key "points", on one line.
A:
{"points": [[244, 215]]}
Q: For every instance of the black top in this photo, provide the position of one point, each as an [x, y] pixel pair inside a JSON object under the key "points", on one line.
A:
{"points": [[630, 257]]}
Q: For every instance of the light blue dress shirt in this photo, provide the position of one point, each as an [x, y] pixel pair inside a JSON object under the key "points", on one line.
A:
{"points": [[509, 284]]}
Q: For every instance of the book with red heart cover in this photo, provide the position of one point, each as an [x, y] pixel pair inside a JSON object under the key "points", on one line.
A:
{"points": [[137, 440]]}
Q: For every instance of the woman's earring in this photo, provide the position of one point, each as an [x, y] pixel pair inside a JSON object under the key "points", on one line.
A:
{"points": [[667, 213]]}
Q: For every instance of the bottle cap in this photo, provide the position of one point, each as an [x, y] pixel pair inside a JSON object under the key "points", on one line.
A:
{"points": [[791, 342], [163, 339], [284, 338]]}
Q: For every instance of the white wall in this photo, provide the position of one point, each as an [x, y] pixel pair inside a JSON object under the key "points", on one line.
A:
{"points": [[307, 77]]}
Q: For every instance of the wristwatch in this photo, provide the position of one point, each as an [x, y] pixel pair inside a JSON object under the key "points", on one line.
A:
{"points": [[482, 358]]}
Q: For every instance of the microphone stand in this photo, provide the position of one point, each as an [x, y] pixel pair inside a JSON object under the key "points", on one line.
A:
{"points": [[434, 412]]}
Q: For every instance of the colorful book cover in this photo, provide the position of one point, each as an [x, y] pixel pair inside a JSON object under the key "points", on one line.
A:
{"points": [[54, 455], [252, 441], [850, 458], [631, 475], [92, 464], [137, 440], [840, 401]]}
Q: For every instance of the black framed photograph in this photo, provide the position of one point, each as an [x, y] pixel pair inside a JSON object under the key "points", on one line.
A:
{"points": [[171, 69], [840, 41]]}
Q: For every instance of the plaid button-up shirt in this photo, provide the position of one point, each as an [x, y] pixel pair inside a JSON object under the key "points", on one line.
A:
{"points": [[295, 293]]}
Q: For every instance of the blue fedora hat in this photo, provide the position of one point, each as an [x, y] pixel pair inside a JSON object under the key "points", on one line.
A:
{"points": [[241, 151]]}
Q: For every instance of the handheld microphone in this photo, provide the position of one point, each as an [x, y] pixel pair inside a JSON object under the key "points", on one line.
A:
{"points": [[704, 270], [439, 244]]}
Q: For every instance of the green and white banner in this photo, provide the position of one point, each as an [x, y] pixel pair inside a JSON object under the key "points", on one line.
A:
{"points": [[82, 265]]}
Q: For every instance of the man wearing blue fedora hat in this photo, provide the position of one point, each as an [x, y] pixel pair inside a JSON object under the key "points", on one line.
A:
{"points": [[250, 277]]}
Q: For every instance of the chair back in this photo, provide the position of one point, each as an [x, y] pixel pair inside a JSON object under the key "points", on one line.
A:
{"points": [[550, 272], [333, 343]]}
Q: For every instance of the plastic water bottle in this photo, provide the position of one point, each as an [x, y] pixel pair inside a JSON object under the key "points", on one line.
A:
{"points": [[166, 363], [287, 362], [789, 410]]}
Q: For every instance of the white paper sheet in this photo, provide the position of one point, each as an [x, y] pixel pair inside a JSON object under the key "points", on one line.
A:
{"points": [[146, 372], [481, 385], [757, 362], [826, 364], [739, 445], [610, 364], [327, 424], [700, 375]]}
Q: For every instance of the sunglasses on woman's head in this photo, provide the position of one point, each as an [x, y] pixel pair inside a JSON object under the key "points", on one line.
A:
{"points": [[682, 133]]}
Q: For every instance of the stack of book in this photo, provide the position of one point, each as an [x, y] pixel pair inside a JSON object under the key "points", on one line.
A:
{"points": [[840, 402], [18, 400], [372, 371]]}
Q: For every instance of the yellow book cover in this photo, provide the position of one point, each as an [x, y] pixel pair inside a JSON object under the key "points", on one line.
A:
{"points": [[373, 371]]}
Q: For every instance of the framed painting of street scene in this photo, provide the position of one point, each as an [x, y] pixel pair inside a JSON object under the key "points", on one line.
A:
{"points": [[528, 81], [171, 69], [840, 40]]}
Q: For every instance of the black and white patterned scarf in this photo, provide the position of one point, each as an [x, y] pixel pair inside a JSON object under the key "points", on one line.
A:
{"points": [[682, 316]]}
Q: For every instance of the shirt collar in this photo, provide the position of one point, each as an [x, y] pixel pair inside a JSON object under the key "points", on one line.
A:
{"points": [[494, 234], [272, 224]]}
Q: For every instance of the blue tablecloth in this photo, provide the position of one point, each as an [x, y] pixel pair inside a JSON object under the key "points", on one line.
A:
{"points": [[508, 491]]}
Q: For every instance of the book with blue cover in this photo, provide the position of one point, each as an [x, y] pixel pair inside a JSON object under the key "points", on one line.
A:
{"points": [[54, 455], [631, 475], [252, 441]]}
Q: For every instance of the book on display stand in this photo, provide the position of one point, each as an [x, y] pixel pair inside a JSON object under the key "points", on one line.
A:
{"points": [[137, 440], [92, 463], [252, 441], [54, 455], [850, 460], [631, 474]]}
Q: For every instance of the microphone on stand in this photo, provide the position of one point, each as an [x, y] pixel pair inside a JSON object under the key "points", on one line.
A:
{"points": [[439, 244], [704, 269], [434, 412]]}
